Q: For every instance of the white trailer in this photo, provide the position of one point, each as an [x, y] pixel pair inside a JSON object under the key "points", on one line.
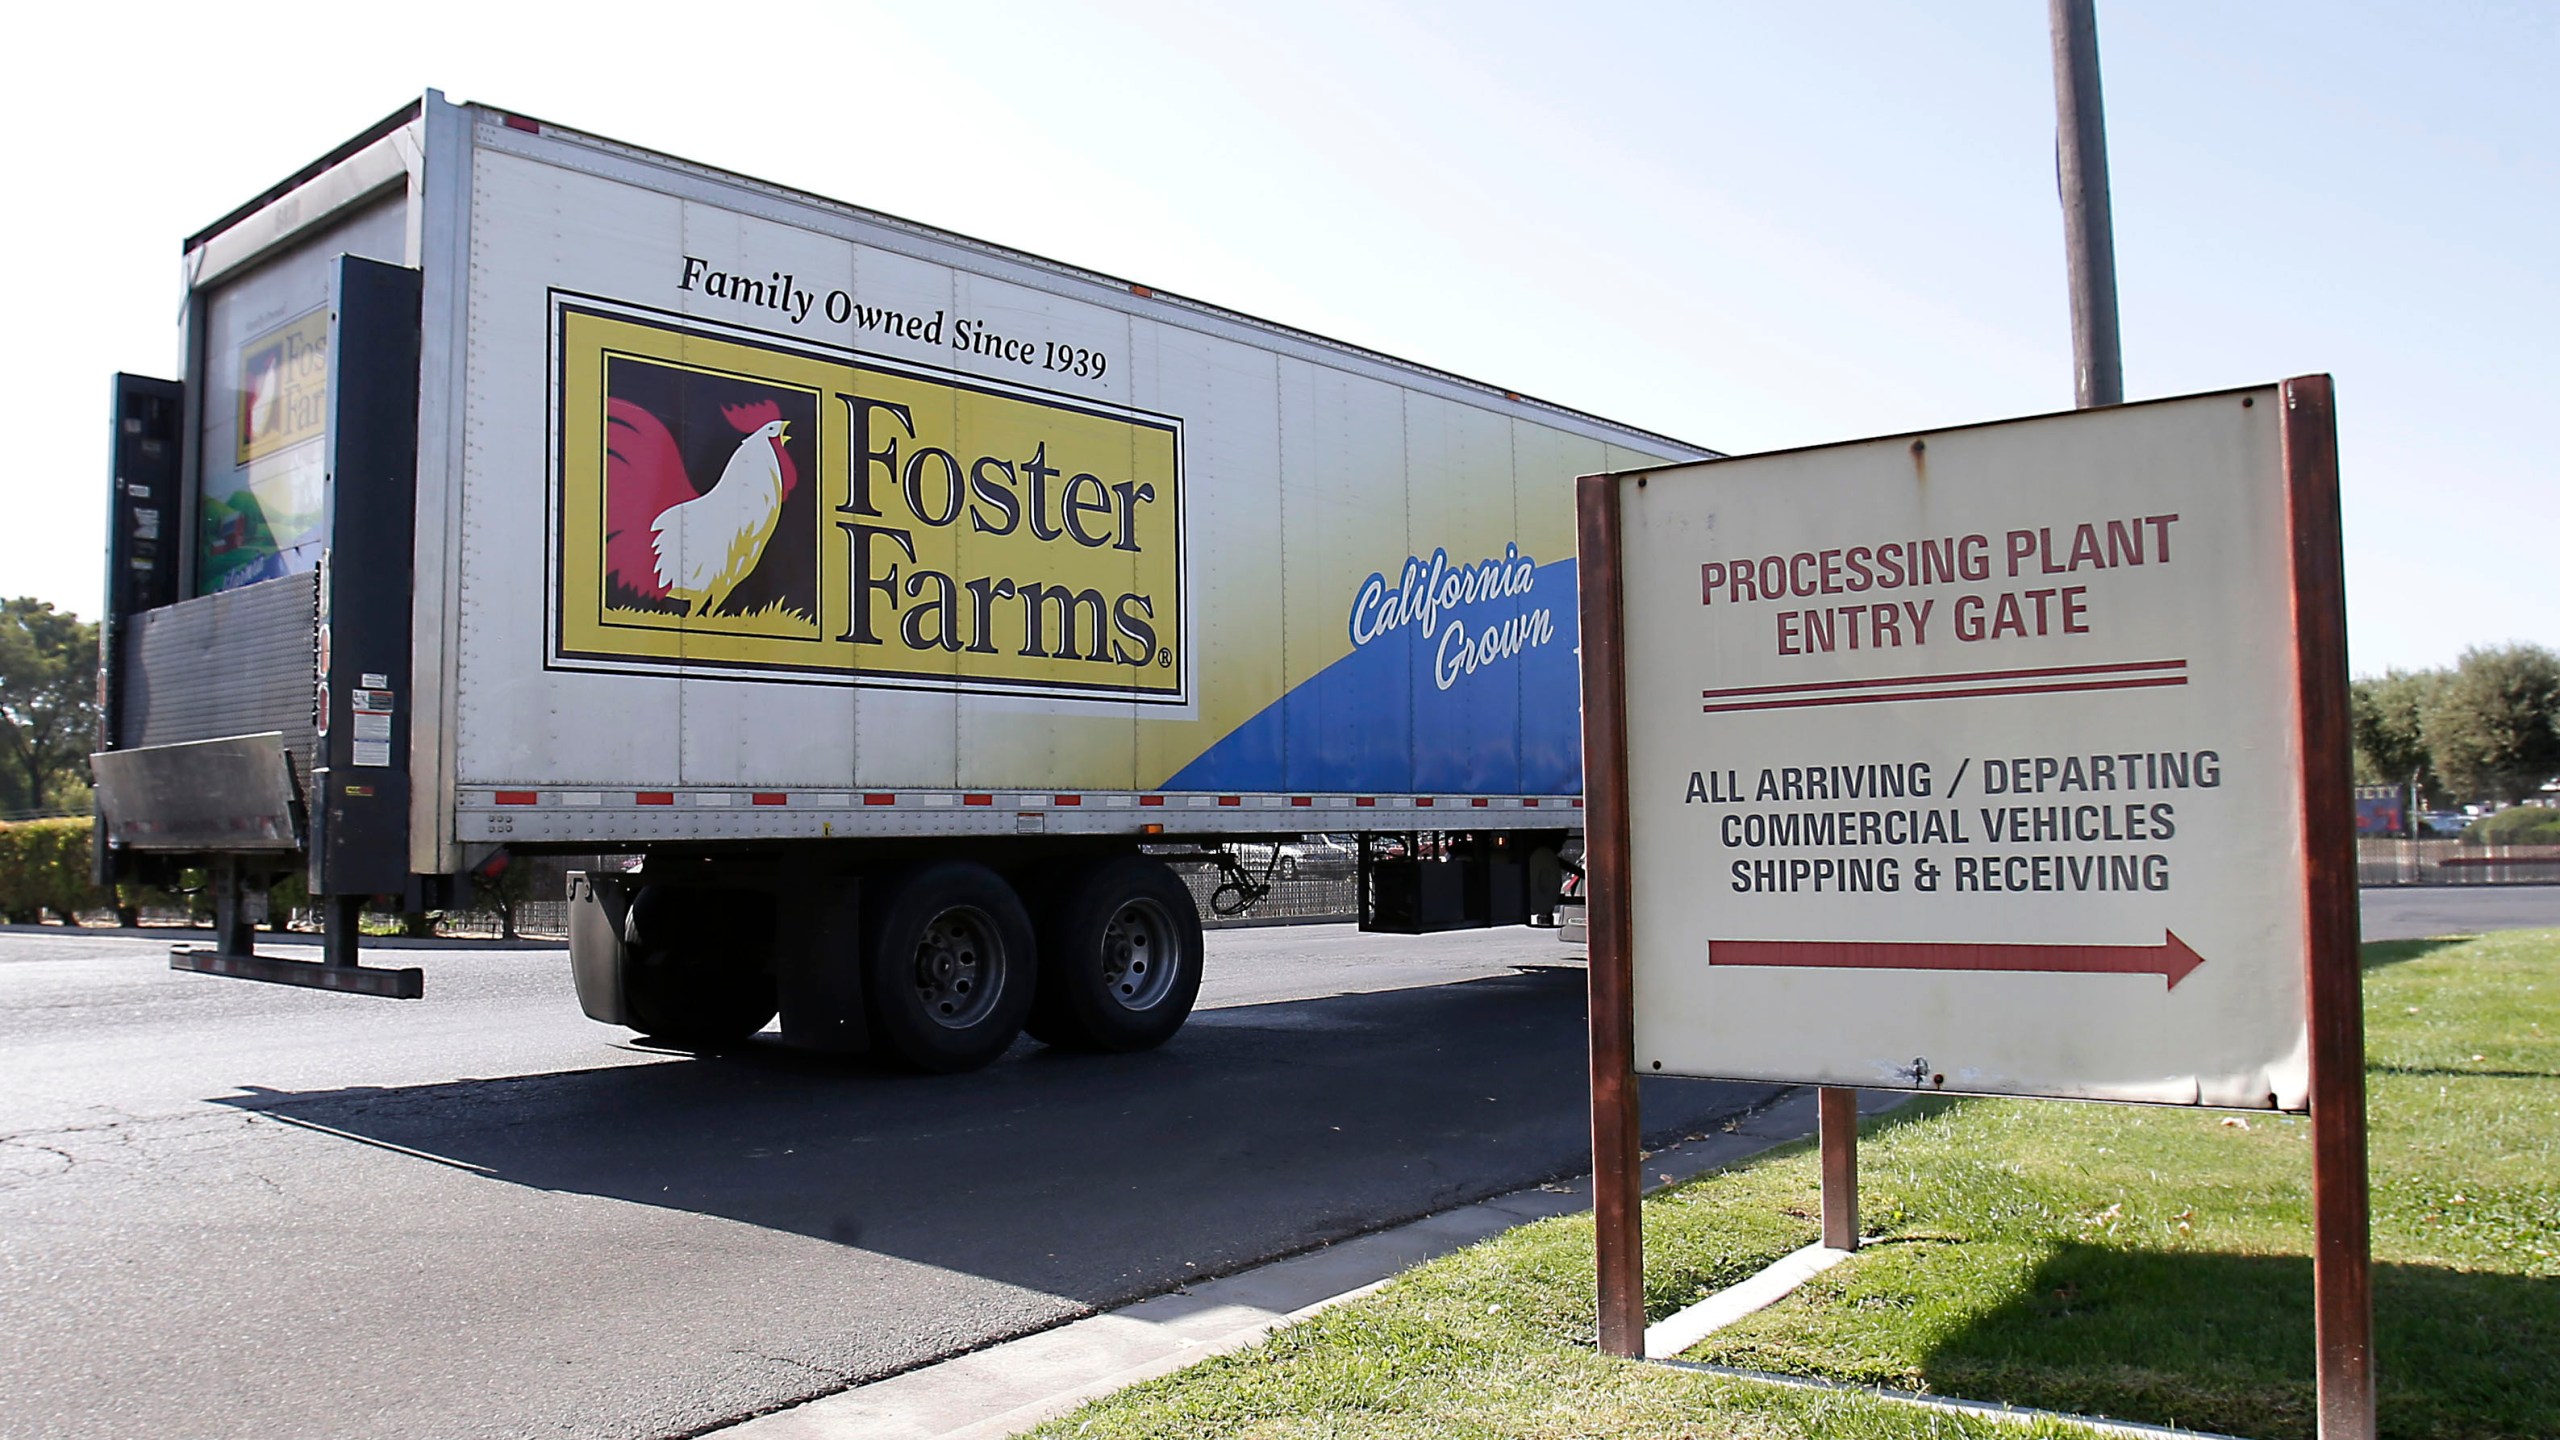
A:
{"points": [[896, 595]]}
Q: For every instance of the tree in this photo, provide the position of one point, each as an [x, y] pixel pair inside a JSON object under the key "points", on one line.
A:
{"points": [[2388, 715], [48, 701], [2493, 728]]}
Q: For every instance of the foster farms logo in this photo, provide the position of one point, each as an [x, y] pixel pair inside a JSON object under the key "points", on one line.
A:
{"points": [[284, 388], [728, 506]]}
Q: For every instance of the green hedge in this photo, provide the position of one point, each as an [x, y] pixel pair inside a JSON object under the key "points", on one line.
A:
{"points": [[2516, 825], [45, 865]]}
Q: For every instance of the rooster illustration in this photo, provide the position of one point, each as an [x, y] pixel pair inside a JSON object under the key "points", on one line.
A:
{"points": [[665, 541], [258, 403]]}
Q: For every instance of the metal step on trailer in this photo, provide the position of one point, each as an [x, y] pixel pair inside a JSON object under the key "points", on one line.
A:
{"points": [[235, 926], [407, 983]]}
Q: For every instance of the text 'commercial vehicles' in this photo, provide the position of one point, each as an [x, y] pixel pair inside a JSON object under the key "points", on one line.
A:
{"points": [[903, 600]]}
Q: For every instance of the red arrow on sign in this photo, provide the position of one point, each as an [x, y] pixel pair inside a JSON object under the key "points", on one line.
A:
{"points": [[2173, 960]]}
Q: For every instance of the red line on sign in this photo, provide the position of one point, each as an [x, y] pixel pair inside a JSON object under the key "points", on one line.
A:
{"points": [[2172, 959], [2136, 682], [2027, 674]]}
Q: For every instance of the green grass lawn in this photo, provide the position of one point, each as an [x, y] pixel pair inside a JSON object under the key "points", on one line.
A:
{"points": [[2149, 1264]]}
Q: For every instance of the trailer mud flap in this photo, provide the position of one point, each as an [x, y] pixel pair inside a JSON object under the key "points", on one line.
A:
{"points": [[599, 905], [818, 966]]}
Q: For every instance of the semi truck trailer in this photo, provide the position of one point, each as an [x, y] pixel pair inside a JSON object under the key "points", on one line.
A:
{"points": [[905, 603]]}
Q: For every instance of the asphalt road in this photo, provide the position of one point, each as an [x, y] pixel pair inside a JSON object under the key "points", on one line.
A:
{"points": [[2416, 912], [230, 1209]]}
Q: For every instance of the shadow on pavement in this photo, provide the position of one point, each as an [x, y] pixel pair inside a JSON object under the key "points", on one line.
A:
{"points": [[1260, 1130]]}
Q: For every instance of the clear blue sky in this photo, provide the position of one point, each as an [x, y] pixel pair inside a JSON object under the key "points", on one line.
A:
{"points": [[1748, 225]]}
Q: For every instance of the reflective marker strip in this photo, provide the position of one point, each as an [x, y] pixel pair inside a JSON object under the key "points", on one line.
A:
{"points": [[931, 799]]}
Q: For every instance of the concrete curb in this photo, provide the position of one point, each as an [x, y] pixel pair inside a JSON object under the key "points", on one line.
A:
{"points": [[1010, 1387]]}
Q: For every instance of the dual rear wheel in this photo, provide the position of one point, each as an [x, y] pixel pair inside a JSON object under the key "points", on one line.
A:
{"points": [[954, 964], [1105, 957], [1120, 956]]}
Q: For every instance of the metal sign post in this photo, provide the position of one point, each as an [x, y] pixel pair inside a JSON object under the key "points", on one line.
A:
{"points": [[1982, 762]]}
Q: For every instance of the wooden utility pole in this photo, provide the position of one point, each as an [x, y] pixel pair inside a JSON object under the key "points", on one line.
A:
{"points": [[2088, 227]]}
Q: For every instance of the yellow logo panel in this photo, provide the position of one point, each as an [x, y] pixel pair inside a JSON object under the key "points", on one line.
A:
{"points": [[726, 505], [284, 388]]}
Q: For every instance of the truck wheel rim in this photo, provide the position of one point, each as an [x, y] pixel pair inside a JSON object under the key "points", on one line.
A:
{"points": [[959, 967], [1141, 955]]}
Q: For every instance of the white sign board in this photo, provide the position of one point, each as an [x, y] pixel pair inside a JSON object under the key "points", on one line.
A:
{"points": [[1971, 761]]}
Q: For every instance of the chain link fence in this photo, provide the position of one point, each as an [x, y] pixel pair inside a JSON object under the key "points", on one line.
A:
{"points": [[1312, 883]]}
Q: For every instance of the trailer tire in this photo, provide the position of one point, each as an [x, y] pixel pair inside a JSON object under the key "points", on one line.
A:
{"points": [[949, 965], [1120, 956], [698, 964]]}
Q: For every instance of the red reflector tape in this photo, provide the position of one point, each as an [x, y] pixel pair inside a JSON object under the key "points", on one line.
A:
{"points": [[518, 122], [1150, 799], [1365, 802], [517, 797], [1301, 800], [768, 797], [1066, 799], [653, 797], [1424, 801], [1531, 802], [1230, 799], [1577, 804], [977, 799], [1480, 802], [879, 799]]}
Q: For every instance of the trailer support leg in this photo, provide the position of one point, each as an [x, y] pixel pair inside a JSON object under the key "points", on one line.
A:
{"points": [[342, 920], [230, 954], [234, 932]]}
